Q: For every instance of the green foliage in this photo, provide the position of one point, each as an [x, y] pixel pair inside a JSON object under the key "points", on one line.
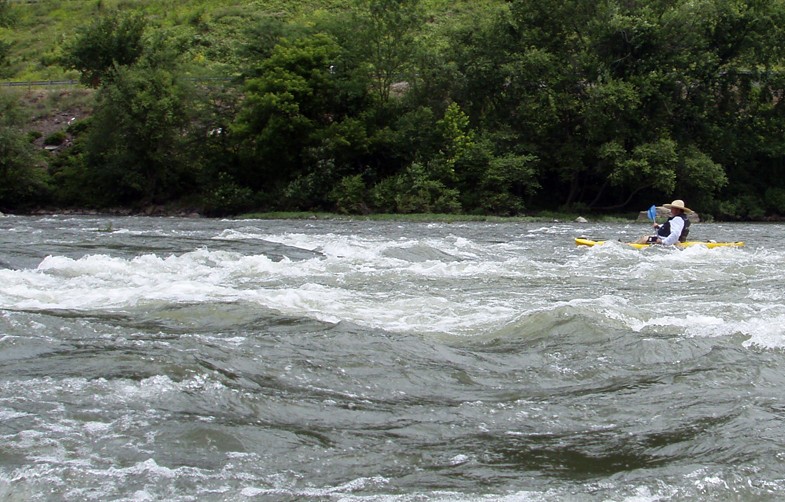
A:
{"points": [[493, 183], [700, 173], [492, 107], [227, 197], [458, 137], [311, 188], [5, 50], [386, 31], [350, 195], [111, 41], [7, 17], [744, 207], [75, 181], [23, 181], [647, 165], [637, 97], [136, 146], [55, 139], [415, 191], [294, 124], [775, 200], [508, 179]]}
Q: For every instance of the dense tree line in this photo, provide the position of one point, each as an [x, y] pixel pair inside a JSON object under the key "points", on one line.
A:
{"points": [[564, 105]]}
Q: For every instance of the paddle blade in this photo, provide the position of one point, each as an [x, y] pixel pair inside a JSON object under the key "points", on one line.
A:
{"points": [[652, 213]]}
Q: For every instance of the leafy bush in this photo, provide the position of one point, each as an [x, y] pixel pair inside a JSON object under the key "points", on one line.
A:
{"points": [[349, 195], [7, 17], [110, 41], [23, 182], [57, 138], [744, 207], [227, 197], [415, 191], [5, 51], [775, 200]]}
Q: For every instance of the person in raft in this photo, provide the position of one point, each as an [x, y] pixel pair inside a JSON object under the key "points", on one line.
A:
{"points": [[674, 230]]}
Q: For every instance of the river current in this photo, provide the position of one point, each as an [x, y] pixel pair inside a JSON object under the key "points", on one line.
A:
{"points": [[198, 360]]}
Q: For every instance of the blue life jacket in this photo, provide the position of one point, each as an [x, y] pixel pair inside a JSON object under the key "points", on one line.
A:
{"points": [[665, 228]]}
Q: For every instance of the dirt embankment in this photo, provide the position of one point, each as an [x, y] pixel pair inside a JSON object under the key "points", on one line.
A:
{"points": [[52, 111]]}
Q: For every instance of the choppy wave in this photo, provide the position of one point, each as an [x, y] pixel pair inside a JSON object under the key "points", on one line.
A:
{"points": [[447, 284], [173, 359]]}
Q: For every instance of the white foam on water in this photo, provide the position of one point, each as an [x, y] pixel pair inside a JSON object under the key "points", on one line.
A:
{"points": [[556, 229], [103, 282], [766, 333], [343, 489], [764, 327], [355, 282], [6, 415], [152, 390], [423, 284], [55, 443], [611, 309]]}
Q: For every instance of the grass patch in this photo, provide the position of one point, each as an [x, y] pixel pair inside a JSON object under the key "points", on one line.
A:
{"points": [[41, 28]]}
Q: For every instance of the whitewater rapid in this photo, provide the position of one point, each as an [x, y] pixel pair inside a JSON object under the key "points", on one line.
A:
{"points": [[189, 359]]}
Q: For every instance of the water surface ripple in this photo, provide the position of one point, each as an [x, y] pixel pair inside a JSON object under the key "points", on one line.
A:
{"points": [[187, 359]]}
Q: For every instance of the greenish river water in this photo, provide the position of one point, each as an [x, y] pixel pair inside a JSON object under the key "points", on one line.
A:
{"points": [[194, 359]]}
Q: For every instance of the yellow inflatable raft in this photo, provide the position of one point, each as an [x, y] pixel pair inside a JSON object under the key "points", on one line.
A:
{"points": [[582, 241]]}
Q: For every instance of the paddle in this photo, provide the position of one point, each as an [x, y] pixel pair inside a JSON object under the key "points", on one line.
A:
{"points": [[653, 213]]}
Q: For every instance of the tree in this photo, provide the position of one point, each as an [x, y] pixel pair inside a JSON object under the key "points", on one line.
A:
{"points": [[647, 166], [23, 179], [416, 190], [284, 106], [612, 95], [111, 41], [5, 50], [458, 137], [297, 127], [386, 35], [136, 146]]}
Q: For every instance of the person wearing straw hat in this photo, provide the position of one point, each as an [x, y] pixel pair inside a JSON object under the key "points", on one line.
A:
{"points": [[675, 229]]}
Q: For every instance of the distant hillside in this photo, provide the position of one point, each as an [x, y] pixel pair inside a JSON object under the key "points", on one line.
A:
{"points": [[394, 106], [33, 31]]}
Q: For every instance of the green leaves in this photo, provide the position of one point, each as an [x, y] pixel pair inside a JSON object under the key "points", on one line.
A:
{"points": [[7, 17], [396, 105], [416, 190], [458, 137], [110, 41], [136, 144], [387, 40], [23, 180], [288, 105], [647, 165]]}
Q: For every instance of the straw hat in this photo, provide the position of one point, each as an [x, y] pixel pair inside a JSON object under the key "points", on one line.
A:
{"points": [[678, 204]]}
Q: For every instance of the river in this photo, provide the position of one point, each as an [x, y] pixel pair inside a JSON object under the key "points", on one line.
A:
{"points": [[205, 359]]}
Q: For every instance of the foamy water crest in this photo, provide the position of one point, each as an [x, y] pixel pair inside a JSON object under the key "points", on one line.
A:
{"points": [[448, 284], [373, 282], [179, 359]]}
